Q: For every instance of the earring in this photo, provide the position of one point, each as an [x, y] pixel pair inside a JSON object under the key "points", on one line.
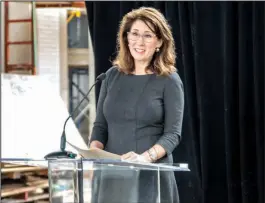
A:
{"points": [[157, 49]]}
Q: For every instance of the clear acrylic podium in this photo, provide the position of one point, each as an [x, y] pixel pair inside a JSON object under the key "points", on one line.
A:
{"points": [[105, 181], [102, 181]]}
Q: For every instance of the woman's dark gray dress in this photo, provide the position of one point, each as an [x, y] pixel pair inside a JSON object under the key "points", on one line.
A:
{"points": [[134, 113]]}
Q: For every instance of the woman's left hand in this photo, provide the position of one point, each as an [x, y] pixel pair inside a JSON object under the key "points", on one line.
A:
{"points": [[132, 156]]}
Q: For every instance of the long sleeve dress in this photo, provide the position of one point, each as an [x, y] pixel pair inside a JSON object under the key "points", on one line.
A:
{"points": [[134, 113]]}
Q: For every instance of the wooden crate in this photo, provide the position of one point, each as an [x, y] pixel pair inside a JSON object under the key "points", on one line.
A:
{"points": [[23, 183]]}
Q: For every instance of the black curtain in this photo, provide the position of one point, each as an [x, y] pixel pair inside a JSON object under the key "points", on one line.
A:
{"points": [[220, 48]]}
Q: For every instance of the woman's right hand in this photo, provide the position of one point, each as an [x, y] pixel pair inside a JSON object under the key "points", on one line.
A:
{"points": [[96, 144]]}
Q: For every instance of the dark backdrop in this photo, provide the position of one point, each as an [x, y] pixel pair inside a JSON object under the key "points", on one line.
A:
{"points": [[220, 47]]}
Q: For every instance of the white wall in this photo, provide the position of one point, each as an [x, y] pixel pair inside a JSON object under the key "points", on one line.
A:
{"points": [[52, 48], [64, 57], [91, 79]]}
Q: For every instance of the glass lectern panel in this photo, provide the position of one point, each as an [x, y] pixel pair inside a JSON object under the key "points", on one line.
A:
{"points": [[112, 183], [63, 181], [105, 181]]}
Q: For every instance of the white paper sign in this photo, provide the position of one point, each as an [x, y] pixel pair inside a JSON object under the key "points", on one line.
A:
{"points": [[32, 117]]}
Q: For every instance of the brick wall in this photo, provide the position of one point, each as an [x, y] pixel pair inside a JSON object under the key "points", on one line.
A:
{"points": [[52, 48]]}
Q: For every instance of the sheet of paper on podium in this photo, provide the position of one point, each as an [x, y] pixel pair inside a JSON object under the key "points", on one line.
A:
{"points": [[94, 153], [33, 114]]}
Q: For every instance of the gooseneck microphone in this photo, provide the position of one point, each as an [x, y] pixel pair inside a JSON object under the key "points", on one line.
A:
{"points": [[63, 153]]}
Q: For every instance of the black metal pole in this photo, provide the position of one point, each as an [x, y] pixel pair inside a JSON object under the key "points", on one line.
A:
{"points": [[80, 181]]}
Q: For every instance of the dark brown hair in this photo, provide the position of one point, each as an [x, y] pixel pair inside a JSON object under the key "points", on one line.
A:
{"points": [[163, 62]]}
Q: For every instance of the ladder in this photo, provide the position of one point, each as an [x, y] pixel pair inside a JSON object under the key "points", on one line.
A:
{"points": [[30, 66]]}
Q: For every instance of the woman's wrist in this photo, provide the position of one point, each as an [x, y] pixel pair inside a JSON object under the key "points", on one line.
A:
{"points": [[147, 157], [96, 144], [151, 155]]}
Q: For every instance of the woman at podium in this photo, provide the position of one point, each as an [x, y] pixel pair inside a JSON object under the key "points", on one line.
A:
{"points": [[141, 102]]}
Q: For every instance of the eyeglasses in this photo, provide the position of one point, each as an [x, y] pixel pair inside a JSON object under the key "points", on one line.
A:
{"points": [[134, 36]]}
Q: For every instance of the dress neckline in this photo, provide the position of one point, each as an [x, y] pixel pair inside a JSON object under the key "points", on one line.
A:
{"points": [[142, 75]]}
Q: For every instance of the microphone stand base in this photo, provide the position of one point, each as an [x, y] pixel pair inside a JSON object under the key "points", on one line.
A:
{"points": [[61, 155]]}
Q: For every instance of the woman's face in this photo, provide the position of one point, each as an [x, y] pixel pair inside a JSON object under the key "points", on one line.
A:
{"points": [[142, 42]]}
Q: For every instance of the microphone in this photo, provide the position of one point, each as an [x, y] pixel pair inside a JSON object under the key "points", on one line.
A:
{"points": [[68, 154]]}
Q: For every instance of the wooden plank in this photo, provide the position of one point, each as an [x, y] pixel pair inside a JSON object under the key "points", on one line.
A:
{"points": [[21, 169], [9, 165], [30, 199], [42, 201], [37, 183], [19, 20], [5, 192], [14, 175], [42, 172]]}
